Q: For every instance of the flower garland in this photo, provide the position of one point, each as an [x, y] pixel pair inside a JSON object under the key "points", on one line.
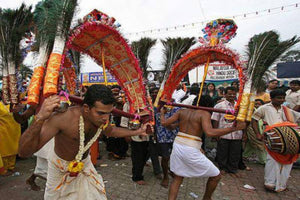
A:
{"points": [[76, 166]]}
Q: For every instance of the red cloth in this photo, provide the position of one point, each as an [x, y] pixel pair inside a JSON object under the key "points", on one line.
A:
{"points": [[94, 152]]}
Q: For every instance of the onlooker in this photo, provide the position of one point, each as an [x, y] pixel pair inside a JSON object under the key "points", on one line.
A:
{"points": [[165, 138], [188, 100], [262, 94], [272, 85], [178, 94], [293, 95], [211, 91], [230, 145], [253, 145]]}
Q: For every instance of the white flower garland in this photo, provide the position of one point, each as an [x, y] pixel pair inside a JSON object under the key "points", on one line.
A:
{"points": [[82, 148]]}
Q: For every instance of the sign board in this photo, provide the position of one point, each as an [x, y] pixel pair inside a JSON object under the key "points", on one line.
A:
{"points": [[221, 73], [96, 78]]}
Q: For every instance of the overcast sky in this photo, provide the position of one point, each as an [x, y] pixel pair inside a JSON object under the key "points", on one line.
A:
{"points": [[141, 15]]}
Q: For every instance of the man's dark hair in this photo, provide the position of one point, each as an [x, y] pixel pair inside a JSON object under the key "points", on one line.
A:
{"points": [[153, 89], [277, 92], [194, 90], [230, 88], [116, 86], [295, 82], [273, 80], [261, 101], [98, 93], [205, 101]]}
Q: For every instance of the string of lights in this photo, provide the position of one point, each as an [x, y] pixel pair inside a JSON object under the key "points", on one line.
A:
{"points": [[244, 16]]}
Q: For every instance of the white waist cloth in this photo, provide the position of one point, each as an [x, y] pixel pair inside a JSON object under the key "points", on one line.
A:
{"points": [[88, 185], [188, 161]]}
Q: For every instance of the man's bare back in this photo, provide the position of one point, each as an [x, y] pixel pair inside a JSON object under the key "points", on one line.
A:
{"points": [[190, 121]]}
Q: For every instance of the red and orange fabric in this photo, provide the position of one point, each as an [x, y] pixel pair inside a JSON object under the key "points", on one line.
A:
{"points": [[52, 74], [35, 85]]}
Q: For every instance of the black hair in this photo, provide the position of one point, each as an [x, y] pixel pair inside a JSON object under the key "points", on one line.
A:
{"points": [[205, 101], [277, 92], [273, 80], [116, 86], [98, 93], [152, 89], [212, 84], [295, 82], [261, 101], [230, 88], [194, 90]]}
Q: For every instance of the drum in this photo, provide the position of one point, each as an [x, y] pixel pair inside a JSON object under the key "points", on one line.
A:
{"points": [[283, 140]]}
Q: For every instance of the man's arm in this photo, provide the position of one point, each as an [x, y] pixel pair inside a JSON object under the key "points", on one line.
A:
{"points": [[21, 118], [171, 120], [215, 124], [212, 132], [42, 130], [254, 124], [113, 131]]}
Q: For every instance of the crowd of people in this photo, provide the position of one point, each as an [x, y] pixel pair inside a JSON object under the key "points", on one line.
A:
{"points": [[177, 147]]}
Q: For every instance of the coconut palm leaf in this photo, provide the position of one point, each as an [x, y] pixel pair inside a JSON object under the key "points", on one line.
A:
{"points": [[141, 49], [13, 26], [291, 56], [263, 50]]}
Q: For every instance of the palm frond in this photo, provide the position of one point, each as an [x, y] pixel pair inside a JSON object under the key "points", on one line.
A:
{"points": [[174, 48], [14, 23], [264, 50], [141, 49]]}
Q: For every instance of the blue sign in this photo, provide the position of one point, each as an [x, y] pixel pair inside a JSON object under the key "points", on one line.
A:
{"points": [[97, 77]]}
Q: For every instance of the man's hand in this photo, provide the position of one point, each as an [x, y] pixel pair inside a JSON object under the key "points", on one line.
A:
{"points": [[48, 107], [240, 125], [143, 130], [163, 110], [17, 108]]}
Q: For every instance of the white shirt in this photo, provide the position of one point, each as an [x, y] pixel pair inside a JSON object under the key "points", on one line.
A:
{"points": [[271, 115], [178, 95], [292, 98], [189, 100], [223, 123]]}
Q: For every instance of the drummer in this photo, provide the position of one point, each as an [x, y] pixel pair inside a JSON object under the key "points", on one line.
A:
{"points": [[276, 173]]}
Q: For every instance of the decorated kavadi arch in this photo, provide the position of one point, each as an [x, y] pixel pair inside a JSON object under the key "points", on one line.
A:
{"points": [[217, 32], [98, 38]]}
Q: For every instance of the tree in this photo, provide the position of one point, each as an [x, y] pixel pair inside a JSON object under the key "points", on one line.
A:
{"points": [[14, 24], [174, 48], [263, 50], [291, 56], [141, 50]]}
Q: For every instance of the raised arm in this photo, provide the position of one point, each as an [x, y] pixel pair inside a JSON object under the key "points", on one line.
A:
{"points": [[42, 129], [213, 132]]}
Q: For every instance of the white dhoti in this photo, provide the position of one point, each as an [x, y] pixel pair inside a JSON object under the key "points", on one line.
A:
{"points": [[188, 161], [88, 185], [42, 156], [276, 174]]}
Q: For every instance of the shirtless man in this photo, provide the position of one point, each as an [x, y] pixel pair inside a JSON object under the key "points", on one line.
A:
{"points": [[186, 158], [65, 128]]}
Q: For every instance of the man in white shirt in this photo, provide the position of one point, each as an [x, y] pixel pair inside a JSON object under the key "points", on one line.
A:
{"points": [[178, 94], [276, 173], [230, 145], [293, 95]]}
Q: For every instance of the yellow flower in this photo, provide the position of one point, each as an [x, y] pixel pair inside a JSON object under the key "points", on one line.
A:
{"points": [[75, 167]]}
